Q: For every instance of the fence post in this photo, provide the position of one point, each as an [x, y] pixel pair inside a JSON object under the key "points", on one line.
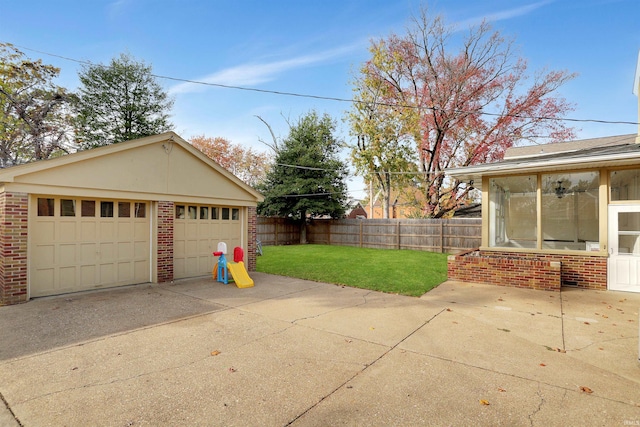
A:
{"points": [[329, 232], [276, 222], [398, 232], [360, 233], [441, 236]]}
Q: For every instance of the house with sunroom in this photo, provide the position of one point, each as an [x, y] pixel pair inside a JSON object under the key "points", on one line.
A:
{"points": [[563, 214], [147, 210]]}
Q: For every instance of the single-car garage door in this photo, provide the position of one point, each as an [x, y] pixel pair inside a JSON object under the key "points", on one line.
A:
{"points": [[79, 244], [197, 230]]}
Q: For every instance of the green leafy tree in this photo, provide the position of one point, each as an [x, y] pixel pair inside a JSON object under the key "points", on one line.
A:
{"points": [[119, 102], [34, 112], [383, 154], [308, 177]]}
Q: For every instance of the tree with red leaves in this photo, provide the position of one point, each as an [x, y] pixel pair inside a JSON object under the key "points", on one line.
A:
{"points": [[247, 164], [462, 100]]}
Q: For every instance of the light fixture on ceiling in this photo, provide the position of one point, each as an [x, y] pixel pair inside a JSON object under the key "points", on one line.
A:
{"points": [[560, 190]]}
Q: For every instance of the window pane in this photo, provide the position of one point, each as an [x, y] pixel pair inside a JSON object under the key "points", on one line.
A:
{"points": [[67, 207], [512, 212], [204, 212], [629, 233], [45, 207], [180, 211], [570, 210], [225, 213], [193, 212], [124, 209], [214, 213], [106, 209], [625, 185], [88, 208], [141, 210], [235, 214]]}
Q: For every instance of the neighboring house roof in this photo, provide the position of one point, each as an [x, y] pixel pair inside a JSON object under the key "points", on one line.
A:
{"points": [[156, 165], [621, 150]]}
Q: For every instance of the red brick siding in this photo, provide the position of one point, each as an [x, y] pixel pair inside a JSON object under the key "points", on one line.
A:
{"points": [[165, 241], [530, 270], [252, 228], [14, 219]]}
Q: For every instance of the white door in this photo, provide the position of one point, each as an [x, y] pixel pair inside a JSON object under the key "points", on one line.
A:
{"points": [[624, 248]]}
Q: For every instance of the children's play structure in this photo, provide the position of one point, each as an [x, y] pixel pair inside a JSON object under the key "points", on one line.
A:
{"points": [[223, 267]]}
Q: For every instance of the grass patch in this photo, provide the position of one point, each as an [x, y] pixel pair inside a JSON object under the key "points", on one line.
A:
{"points": [[394, 271]]}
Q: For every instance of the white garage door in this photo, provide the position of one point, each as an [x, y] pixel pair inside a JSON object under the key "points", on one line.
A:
{"points": [[197, 230], [79, 244]]}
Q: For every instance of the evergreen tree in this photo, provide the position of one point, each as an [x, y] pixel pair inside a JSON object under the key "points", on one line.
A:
{"points": [[308, 178], [119, 102]]}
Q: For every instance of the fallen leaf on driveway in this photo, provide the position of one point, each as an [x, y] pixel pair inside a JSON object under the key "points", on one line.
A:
{"points": [[215, 352], [542, 364], [484, 402], [587, 323], [586, 389], [501, 390], [232, 369]]}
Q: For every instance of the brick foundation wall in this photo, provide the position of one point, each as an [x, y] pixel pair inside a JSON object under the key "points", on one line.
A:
{"points": [[165, 241], [536, 271], [501, 270], [252, 228], [14, 220]]}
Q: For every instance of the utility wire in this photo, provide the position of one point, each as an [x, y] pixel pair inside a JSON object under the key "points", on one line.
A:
{"points": [[337, 99]]}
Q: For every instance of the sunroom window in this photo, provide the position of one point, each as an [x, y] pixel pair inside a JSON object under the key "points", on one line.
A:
{"points": [[570, 210], [512, 212], [625, 185]]}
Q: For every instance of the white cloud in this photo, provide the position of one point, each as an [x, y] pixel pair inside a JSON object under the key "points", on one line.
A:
{"points": [[504, 14], [252, 74]]}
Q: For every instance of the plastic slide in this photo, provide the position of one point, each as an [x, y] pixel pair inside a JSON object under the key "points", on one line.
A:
{"points": [[239, 274]]}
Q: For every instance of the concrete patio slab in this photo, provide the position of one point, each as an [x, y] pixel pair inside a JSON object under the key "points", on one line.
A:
{"points": [[294, 352]]}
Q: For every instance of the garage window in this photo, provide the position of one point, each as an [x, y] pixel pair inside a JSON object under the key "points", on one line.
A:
{"points": [[124, 209], [193, 212], [106, 209], [235, 214], [67, 207], [88, 208], [214, 213], [45, 207], [204, 212], [225, 213], [180, 211], [141, 210]]}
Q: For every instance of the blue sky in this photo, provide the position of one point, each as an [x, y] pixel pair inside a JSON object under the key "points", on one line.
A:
{"points": [[313, 47]]}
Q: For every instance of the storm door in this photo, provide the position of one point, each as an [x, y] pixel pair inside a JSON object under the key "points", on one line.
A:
{"points": [[624, 248]]}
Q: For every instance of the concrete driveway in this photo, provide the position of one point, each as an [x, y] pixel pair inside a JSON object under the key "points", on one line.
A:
{"points": [[300, 353]]}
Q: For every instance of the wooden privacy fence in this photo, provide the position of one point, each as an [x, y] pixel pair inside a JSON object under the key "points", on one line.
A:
{"points": [[433, 235]]}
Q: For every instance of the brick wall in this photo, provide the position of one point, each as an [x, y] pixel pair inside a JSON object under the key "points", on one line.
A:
{"points": [[165, 241], [252, 228], [536, 271], [14, 219]]}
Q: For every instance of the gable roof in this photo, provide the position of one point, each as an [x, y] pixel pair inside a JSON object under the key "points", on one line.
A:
{"points": [[616, 151], [158, 164]]}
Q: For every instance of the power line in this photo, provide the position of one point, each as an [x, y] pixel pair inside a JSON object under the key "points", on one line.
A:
{"points": [[337, 99]]}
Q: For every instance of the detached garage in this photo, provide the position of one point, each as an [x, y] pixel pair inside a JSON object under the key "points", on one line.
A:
{"points": [[149, 210]]}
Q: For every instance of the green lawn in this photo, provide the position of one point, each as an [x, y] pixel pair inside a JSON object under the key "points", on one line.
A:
{"points": [[400, 272]]}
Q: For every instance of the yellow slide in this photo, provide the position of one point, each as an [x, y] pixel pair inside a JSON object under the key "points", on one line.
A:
{"points": [[239, 274]]}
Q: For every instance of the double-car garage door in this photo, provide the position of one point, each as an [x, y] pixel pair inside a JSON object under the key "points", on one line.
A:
{"points": [[78, 244]]}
